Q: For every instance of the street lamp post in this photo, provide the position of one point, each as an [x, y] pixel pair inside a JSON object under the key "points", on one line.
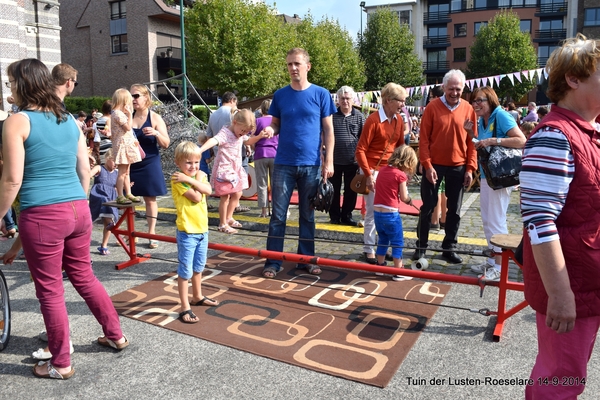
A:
{"points": [[362, 8]]}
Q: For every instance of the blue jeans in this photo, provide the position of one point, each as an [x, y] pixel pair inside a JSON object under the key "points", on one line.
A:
{"points": [[192, 249], [285, 178], [389, 230], [10, 219]]}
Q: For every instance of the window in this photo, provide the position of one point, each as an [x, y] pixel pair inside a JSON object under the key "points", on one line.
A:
{"points": [[544, 53], [551, 24], [460, 54], [481, 4], [525, 25], [118, 10], [460, 30], [478, 26], [118, 27], [119, 43], [591, 17], [436, 57], [511, 3], [456, 5], [164, 40], [404, 17], [438, 8], [437, 31]]}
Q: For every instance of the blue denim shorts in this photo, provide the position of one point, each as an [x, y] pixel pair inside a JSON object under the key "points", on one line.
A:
{"points": [[192, 250]]}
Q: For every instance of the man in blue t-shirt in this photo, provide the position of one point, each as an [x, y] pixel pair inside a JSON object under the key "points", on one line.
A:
{"points": [[302, 112]]}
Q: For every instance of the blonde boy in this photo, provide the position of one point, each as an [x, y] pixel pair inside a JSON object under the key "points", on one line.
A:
{"points": [[189, 187]]}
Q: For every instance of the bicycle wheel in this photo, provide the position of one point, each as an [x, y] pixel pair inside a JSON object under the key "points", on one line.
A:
{"points": [[4, 313]]}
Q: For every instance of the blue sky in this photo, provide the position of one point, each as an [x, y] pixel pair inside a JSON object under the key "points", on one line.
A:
{"points": [[347, 12]]}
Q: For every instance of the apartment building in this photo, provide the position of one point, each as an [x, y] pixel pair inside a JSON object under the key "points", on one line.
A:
{"points": [[445, 29], [28, 29], [116, 43]]}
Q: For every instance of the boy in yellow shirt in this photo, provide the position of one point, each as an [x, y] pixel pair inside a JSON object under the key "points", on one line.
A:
{"points": [[189, 187]]}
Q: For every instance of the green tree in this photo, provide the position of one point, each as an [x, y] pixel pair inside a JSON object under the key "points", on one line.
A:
{"points": [[501, 47], [388, 51], [236, 45]]}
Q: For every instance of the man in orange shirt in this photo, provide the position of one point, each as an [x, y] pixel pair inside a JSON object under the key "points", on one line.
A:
{"points": [[445, 151]]}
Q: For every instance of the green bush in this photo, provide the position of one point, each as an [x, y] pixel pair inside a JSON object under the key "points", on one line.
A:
{"points": [[87, 104], [202, 113]]}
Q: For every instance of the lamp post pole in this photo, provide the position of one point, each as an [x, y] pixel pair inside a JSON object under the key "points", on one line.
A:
{"points": [[183, 67], [362, 8]]}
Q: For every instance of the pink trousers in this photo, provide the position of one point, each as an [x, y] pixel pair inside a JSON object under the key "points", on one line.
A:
{"points": [[54, 237], [560, 369]]}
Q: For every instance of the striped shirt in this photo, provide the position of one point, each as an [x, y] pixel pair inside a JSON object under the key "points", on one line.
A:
{"points": [[547, 171], [347, 130]]}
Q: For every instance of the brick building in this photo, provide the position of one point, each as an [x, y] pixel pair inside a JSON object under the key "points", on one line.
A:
{"points": [[116, 43], [28, 29]]}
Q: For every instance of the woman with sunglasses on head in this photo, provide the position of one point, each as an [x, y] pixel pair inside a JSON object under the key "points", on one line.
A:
{"points": [[492, 121], [147, 176], [46, 163]]}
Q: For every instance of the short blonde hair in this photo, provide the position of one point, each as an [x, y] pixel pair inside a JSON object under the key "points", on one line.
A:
{"points": [[577, 57], [245, 118], [186, 150], [392, 91]]}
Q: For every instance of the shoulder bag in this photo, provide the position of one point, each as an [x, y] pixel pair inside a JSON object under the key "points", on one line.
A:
{"points": [[501, 165], [359, 182]]}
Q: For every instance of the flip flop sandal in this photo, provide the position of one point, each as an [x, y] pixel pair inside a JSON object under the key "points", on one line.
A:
{"points": [[204, 302], [153, 244], [41, 354], [103, 251], [122, 200], [52, 373], [234, 224], [106, 342], [191, 315], [227, 229], [134, 199], [314, 269], [240, 209], [269, 273]]}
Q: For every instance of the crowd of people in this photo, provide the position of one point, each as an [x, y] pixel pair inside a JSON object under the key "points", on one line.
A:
{"points": [[300, 139]]}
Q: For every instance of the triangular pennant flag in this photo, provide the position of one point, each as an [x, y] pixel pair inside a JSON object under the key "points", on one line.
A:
{"points": [[526, 74], [512, 79], [518, 76], [484, 81], [478, 80], [497, 79]]}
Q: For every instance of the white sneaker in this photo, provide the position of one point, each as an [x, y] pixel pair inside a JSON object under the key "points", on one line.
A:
{"points": [[399, 278], [481, 268], [41, 354], [491, 275]]}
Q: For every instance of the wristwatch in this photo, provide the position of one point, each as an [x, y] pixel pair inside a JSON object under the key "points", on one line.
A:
{"points": [[498, 141]]}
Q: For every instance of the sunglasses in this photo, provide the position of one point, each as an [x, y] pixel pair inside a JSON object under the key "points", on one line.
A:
{"points": [[75, 83], [136, 96]]}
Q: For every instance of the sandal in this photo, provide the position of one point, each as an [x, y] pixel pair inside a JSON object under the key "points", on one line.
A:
{"points": [[313, 269], [153, 244], [42, 354], [103, 251], [106, 342], [52, 373], [233, 223], [227, 229], [269, 272], [205, 301], [122, 200], [240, 209], [133, 198], [193, 318]]}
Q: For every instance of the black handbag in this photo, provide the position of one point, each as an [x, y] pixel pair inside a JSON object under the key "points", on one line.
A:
{"points": [[501, 165]]}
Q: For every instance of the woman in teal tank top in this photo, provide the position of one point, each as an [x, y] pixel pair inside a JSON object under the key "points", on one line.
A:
{"points": [[46, 163]]}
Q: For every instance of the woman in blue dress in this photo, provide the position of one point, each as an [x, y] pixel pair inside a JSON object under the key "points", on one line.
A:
{"points": [[147, 176]]}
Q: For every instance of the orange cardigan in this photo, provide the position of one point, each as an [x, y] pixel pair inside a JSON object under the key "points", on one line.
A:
{"points": [[442, 138], [373, 140]]}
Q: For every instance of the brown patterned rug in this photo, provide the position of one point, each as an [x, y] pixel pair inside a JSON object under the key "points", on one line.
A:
{"points": [[346, 323]]}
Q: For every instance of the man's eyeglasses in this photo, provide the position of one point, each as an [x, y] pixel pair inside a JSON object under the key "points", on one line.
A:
{"points": [[479, 101], [136, 96], [75, 83]]}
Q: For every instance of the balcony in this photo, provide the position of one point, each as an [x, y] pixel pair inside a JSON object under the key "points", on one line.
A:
{"points": [[168, 58], [552, 10], [549, 35], [542, 61], [433, 67], [438, 17], [436, 41]]}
